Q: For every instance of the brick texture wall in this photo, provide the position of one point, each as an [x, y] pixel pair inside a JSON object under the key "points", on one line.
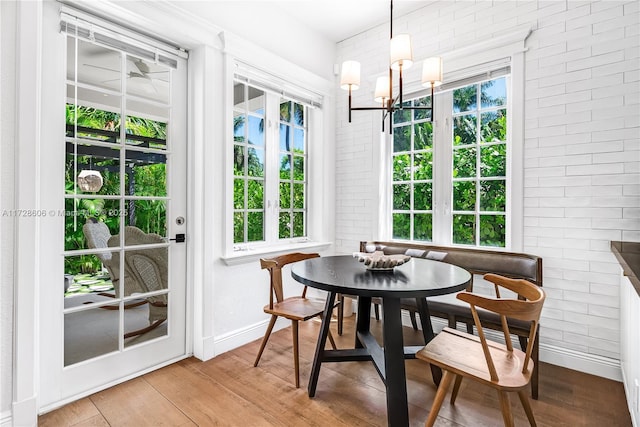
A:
{"points": [[581, 151]]}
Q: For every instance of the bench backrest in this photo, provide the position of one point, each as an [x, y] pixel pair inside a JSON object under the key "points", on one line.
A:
{"points": [[476, 261]]}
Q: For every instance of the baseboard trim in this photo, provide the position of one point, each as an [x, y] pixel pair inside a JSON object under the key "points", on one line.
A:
{"points": [[25, 412], [214, 346], [6, 419], [578, 361]]}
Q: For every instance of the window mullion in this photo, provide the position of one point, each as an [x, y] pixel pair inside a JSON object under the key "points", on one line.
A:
{"points": [[479, 112], [442, 168], [272, 120]]}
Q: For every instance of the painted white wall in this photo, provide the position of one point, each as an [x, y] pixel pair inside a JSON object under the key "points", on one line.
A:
{"points": [[582, 158], [227, 301]]}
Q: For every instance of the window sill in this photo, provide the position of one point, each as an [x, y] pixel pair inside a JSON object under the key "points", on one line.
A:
{"points": [[251, 255]]}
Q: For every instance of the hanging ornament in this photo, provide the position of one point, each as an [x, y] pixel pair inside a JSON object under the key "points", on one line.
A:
{"points": [[90, 181]]}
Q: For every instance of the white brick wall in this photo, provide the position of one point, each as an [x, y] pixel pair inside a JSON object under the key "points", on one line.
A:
{"points": [[582, 146]]}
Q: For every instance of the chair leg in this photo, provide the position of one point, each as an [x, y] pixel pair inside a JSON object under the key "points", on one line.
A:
{"points": [[456, 388], [272, 322], [505, 407], [333, 343], [523, 342], [524, 399], [470, 328], [414, 323], [296, 364], [451, 321], [447, 377], [535, 352], [340, 313]]}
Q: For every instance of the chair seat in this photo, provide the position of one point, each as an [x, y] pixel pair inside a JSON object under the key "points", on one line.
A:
{"points": [[297, 308], [462, 353]]}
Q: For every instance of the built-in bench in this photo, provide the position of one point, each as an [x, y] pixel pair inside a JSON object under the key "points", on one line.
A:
{"points": [[477, 262]]}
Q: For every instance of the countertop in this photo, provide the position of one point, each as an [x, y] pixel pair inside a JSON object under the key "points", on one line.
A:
{"points": [[628, 255]]}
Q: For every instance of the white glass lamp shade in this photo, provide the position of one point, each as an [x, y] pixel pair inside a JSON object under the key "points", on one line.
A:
{"points": [[382, 89], [350, 75], [400, 52], [432, 72], [90, 181]]}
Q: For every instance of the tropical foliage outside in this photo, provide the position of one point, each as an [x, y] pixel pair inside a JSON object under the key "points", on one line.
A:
{"points": [[140, 179], [479, 149], [249, 147]]}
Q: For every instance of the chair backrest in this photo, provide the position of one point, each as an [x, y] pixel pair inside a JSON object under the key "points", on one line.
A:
{"points": [[97, 235], [274, 265], [149, 267], [527, 307]]}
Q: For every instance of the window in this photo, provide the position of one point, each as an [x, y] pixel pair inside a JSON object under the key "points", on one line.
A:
{"points": [[248, 164], [472, 178], [412, 173], [269, 167], [479, 164], [293, 137]]}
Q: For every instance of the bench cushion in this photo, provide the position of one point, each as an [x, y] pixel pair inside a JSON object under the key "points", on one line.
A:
{"points": [[451, 305]]}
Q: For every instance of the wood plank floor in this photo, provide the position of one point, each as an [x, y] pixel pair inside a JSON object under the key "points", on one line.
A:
{"points": [[229, 391]]}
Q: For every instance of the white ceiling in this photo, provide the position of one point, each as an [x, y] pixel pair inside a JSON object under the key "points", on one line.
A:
{"points": [[334, 20], [340, 19]]}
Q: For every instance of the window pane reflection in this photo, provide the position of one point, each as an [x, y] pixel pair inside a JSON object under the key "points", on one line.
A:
{"points": [[147, 321], [89, 333]]}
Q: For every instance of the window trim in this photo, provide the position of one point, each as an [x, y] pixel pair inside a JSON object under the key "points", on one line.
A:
{"points": [[314, 97]]}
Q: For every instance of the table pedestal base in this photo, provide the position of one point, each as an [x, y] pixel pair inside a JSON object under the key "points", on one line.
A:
{"points": [[388, 359]]}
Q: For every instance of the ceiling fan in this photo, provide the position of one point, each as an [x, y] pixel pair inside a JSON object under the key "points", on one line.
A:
{"points": [[141, 73]]}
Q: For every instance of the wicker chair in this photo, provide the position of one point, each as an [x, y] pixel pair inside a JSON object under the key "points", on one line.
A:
{"points": [[145, 270], [97, 235], [148, 267]]}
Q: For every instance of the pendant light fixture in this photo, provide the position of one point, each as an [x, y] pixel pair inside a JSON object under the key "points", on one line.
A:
{"points": [[400, 59]]}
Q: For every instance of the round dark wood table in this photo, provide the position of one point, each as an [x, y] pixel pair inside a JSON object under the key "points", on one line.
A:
{"points": [[419, 278]]}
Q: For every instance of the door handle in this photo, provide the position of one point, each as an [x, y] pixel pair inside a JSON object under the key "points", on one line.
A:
{"points": [[180, 238]]}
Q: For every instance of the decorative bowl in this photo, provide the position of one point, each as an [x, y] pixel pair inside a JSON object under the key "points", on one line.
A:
{"points": [[378, 261]]}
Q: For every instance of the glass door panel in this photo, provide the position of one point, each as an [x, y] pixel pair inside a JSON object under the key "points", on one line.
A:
{"points": [[94, 65], [115, 198], [148, 80], [147, 322], [90, 333]]}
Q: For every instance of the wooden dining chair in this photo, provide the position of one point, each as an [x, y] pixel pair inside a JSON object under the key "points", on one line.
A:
{"points": [[502, 367], [296, 309]]}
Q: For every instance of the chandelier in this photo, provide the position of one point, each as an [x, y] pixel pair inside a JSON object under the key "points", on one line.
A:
{"points": [[400, 59]]}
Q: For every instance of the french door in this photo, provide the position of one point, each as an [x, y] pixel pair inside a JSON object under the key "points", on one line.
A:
{"points": [[114, 304]]}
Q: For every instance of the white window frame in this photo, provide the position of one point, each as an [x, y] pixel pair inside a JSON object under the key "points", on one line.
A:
{"points": [[283, 80], [447, 219], [502, 50], [271, 178]]}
